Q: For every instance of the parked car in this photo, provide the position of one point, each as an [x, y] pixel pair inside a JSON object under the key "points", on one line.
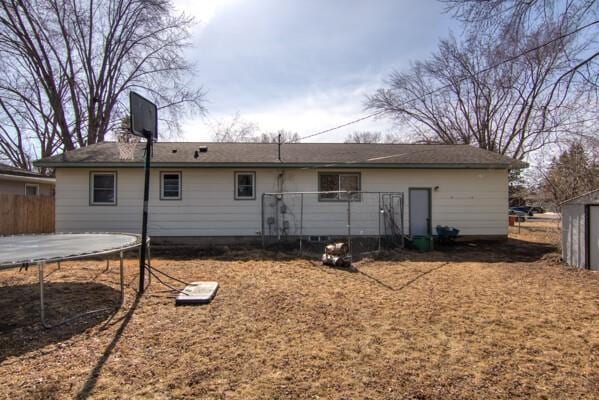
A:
{"points": [[520, 215], [538, 210], [528, 210]]}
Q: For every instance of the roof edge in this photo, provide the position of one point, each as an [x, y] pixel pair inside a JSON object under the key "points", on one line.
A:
{"points": [[25, 178], [579, 196], [344, 165]]}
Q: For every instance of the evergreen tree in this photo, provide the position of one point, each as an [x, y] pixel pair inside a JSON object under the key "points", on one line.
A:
{"points": [[571, 174]]}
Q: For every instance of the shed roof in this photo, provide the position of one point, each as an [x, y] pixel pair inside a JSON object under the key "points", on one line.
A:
{"points": [[187, 154], [591, 197]]}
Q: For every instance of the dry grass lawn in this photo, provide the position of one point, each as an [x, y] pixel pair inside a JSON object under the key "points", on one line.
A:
{"points": [[471, 322]]}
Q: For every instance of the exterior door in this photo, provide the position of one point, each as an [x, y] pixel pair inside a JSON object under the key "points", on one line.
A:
{"points": [[420, 211], [594, 237]]}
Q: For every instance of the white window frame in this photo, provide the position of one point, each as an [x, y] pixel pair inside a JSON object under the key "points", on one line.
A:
{"points": [[36, 186], [92, 176], [236, 188], [162, 174]]}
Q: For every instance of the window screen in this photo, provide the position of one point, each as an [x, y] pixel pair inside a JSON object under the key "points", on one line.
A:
{"points": [[336, 182], [171, 185], [245, 185], [31, 190], [329, 183], [103, 188]]}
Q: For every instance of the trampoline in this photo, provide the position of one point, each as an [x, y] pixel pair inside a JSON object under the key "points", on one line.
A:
{"points": [[21, 251]]}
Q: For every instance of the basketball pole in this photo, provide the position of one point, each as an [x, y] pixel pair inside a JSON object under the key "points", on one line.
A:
{"points": [[144, 223]]}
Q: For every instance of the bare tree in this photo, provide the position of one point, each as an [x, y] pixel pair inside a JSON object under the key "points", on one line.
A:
{"points": [[364, 137], [235, 129], [27, 125], [516, 18], [372, 137], [68, 66], [477, 92], [283, 135], [238, 129]]}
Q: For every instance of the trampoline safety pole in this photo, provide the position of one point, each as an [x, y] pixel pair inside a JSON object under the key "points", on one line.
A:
{"points": [[144, 223], [40, 274], [122, 281]]}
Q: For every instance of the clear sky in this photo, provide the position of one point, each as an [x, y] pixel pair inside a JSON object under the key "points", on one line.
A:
{"points": [[304, 65]]}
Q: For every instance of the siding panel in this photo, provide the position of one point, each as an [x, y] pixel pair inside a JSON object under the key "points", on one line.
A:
{"points": [[474, 201]]}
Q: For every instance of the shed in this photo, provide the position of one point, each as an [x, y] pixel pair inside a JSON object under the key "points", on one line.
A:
{"points": [[580, 231]]}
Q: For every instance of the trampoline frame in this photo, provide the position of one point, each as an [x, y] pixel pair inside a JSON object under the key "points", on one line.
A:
{"points": [[42, 263]]}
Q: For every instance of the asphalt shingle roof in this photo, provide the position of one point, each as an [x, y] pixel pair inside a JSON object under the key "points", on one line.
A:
{"points": [[10, 170], [186, 154]]}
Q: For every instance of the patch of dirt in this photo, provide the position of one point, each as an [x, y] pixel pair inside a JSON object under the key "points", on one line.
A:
{"points": [[471, 322]]}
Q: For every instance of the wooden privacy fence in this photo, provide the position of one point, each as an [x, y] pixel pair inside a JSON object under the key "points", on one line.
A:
{"points": [[26, 214]]}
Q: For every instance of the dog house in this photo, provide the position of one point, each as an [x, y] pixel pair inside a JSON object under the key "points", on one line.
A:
{"points": [[580, 231]]}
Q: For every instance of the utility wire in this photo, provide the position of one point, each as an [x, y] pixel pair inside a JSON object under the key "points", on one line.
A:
{"points": [[508, 60], [343, 125]]}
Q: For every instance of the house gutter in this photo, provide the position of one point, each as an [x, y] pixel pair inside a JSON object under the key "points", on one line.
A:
{"points": [[333, 165], [23, 178]]}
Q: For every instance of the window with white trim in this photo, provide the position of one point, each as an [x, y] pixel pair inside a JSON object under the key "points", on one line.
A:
{"points": [[339, 182], [245, 185], [170, 185], [32, 189], [103, 188]]}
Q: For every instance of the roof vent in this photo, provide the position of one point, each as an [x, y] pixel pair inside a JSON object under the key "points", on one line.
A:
{"points": [[203, 149], [174, 151]]}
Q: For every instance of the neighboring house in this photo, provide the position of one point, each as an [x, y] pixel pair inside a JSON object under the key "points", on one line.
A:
{"points": [[215, 189], [19, 181], [580, 231]]}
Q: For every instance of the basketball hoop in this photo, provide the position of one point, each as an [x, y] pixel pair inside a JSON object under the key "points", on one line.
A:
{"points": [[127, 145], [144, 123]]}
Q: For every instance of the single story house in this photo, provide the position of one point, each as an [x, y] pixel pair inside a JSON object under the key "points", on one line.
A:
{"points": [[580, 231], [214, 190], [19, 181]]}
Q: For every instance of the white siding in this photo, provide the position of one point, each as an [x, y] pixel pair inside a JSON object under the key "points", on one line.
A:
{"points": [[573, 235], [18, 187], [475, 201], [574, 230], [594, 238]]}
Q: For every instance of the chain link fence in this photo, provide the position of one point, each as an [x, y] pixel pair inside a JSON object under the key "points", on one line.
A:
{"points": [[306, 221]]}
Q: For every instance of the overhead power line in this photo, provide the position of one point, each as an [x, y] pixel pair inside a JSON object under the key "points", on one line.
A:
{"points": [[482, 71], [343, 125]]}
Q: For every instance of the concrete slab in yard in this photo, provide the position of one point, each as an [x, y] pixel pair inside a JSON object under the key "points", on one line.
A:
{"points": [[197, 293]]}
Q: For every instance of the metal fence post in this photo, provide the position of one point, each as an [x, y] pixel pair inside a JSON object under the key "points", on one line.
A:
{"points": [[378, 211], [349, 224], [262, 216], [301, 224], [401, 202], [278, 198]]}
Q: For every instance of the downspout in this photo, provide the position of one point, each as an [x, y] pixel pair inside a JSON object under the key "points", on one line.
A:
{"points": [[279, 146]]}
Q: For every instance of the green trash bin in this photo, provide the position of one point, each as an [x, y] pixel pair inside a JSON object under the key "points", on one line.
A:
{"points": [[423, 243]]}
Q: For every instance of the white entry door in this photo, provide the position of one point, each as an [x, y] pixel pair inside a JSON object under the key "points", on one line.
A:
{"points": [[420, 211], [594, 237]]}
